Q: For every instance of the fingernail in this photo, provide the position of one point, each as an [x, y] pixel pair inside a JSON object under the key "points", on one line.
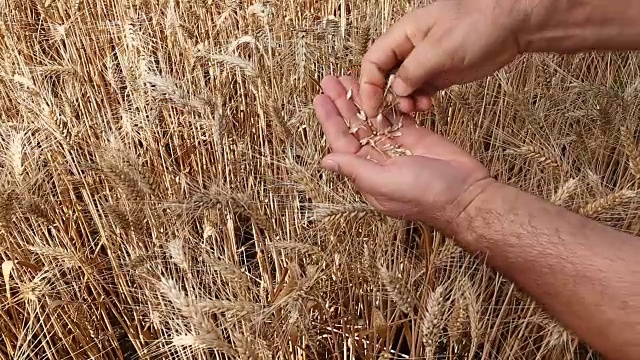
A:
{"points": [[400, 88]]}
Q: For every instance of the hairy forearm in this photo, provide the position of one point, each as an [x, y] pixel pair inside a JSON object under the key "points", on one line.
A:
{"points": [[569, 26], [585, 274]]}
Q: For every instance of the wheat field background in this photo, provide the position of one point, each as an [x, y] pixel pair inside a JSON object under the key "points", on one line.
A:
{"points": [[161, 196]]}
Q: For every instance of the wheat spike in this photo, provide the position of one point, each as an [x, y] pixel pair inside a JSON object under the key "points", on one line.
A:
{"points": [[15, 152], [473, 301], [432, 319], [607, 203], [130, 35], [542, 156], [233, 62], [176, 251], [297, 247], [57, 254], [36, 289], [7, 206], [229, 307], [458, 323], [632, 151], [128, 178], [184, 304], [397, 290], [244, 348], [164, 88], [229, 271], [564, 192]]}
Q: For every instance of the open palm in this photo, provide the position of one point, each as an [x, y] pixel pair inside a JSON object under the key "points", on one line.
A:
{"points": [[403, 170]]}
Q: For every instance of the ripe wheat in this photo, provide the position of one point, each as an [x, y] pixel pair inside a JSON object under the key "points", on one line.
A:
{"points": [[161, 195]]}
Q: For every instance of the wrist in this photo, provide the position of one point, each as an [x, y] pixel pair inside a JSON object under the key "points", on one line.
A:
{"points": [[467, 204]]}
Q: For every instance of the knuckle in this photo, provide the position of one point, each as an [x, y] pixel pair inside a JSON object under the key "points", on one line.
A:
{"points": [[415, 35], [409, 75]]}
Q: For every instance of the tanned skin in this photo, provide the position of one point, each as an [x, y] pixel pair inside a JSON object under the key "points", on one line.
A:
{"points": [[585, 274]]}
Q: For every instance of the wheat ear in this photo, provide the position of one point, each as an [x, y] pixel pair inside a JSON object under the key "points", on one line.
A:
{"points": [[432, 319], [632, 151], [607, 203], [396, 289]]}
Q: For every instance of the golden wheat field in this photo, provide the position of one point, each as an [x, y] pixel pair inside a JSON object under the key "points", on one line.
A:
{"points": [[161, 195]]}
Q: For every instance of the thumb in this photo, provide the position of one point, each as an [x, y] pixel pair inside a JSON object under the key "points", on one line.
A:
{"points": [[365, 174]]}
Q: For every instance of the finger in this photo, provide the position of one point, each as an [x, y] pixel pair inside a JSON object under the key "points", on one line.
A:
{"points": [[333, 87], [421, 66], [336, 131], [417, 102], [350, 83], [365, 174], [375, 143], [423, 102], [384, 55], [407, 104]]}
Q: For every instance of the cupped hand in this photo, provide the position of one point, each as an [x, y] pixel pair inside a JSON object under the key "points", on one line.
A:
{"points": [[442, 44], [403, 170]]}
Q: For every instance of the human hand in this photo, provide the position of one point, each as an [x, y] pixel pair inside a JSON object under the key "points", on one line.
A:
{"points": [[439, 45], [433, 181]]}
